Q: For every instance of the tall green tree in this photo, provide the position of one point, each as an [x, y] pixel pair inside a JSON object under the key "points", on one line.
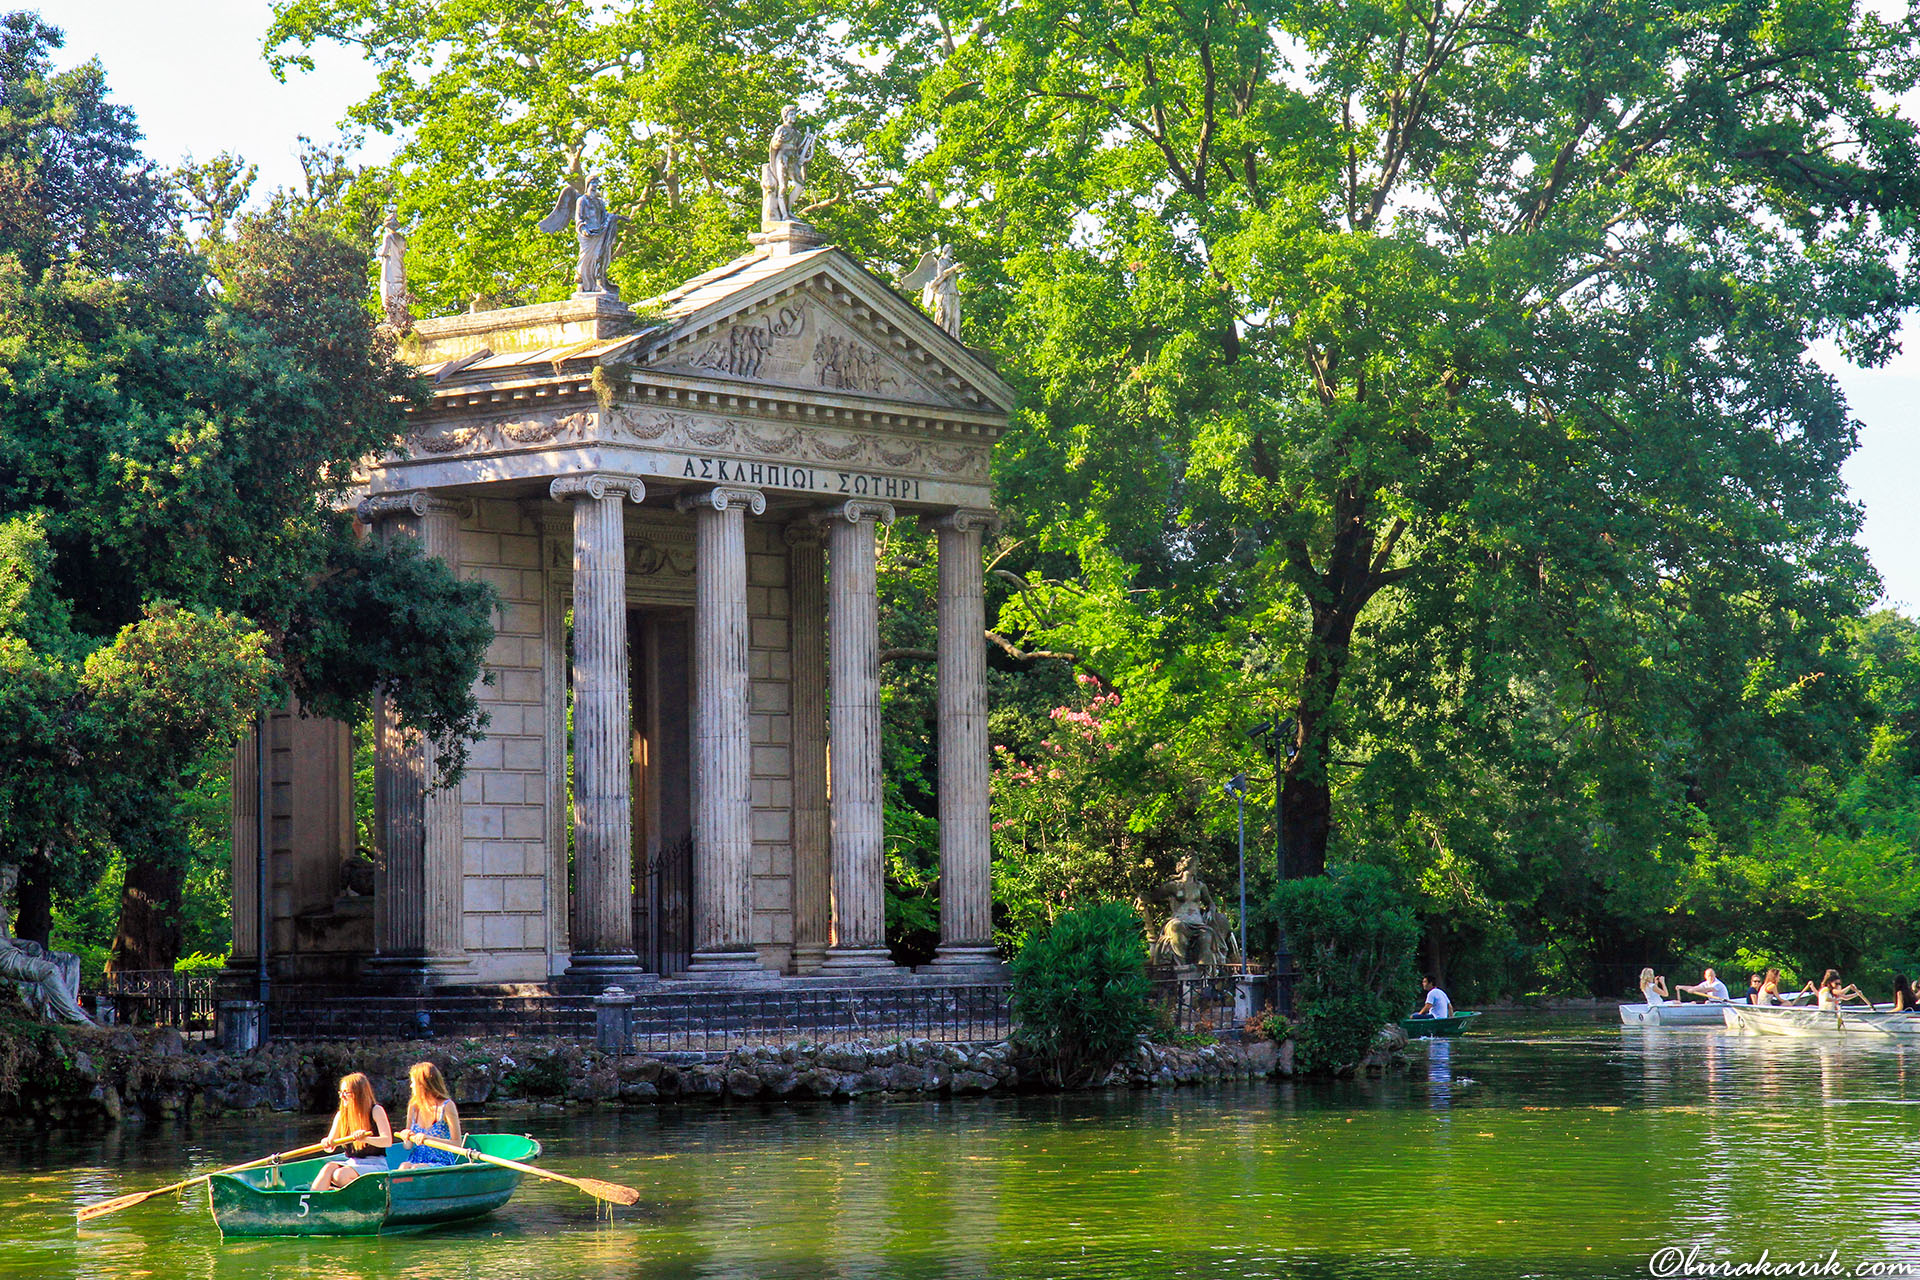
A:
{"points": [[1460, 344], [668, 102], [177, 432]]}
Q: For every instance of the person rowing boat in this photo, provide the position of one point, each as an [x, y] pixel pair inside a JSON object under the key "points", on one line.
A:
{"points": [[357, 1113], [1831, 994], [1708, 988]]}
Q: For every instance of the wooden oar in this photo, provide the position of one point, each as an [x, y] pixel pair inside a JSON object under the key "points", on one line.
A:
{"points": [[609, 1191], [113, 1206]]}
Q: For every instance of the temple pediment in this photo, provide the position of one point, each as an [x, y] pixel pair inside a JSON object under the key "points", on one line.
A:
{"points": [[814, 321]]}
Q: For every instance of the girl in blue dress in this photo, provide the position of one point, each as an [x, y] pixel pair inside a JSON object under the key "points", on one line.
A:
{"points": [[430, 1114]]}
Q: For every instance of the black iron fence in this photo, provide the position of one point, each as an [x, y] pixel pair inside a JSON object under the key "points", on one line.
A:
{"points": [[708, 1021], [658, 1021], [161, 998]]}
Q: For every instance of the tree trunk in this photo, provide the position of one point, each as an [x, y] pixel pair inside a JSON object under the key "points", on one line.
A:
{"points": [[149, 933], [1356, 569], [35, 921]]}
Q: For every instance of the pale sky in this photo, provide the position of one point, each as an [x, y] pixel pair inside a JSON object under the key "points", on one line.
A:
{"points": [[192, 72]]}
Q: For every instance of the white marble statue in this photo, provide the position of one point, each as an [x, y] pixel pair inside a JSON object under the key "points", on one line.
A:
{"points": [[938, 278], [594, 226], [392, 253], [50, 991], [784, 176]]}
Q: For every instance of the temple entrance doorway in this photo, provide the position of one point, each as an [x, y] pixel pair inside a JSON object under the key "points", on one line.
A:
{"points": [[659, 649]]}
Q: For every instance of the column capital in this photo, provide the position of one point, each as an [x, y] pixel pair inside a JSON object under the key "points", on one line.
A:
{"points": [[597, 485], [967, 519], [387, 505], [801, 533], [853, 512], [723, 497]]}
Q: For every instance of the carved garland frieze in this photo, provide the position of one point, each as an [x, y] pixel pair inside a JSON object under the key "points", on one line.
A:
{"points": [[504, 433], [840, 448]]}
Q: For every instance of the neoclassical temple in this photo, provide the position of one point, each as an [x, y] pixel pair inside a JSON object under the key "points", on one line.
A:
{"points": [[677, 504]]}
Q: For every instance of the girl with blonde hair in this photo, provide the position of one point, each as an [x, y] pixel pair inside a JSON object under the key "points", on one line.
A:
{"points": [[357, 1113], [430, 1114]]}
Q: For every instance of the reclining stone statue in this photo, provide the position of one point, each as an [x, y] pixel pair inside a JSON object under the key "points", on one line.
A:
{"points": [[1196, 932], [39, 977]]}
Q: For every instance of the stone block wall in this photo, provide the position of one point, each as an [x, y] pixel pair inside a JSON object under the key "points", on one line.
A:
{"points": [[507, 890], [770, 720]]}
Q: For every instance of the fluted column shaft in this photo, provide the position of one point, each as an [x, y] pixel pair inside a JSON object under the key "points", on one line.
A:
{"points": [[602, 916], [966, 833], [722, 746], [419, 881], [854, 802], [812, 901]]}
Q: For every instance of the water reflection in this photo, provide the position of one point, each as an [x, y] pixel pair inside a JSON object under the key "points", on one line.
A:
{"points": [[1576, 1150], [1439, 1074]]}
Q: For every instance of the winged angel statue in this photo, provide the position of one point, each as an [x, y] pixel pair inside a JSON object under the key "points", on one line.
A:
{"points": [[594, 226], [938, 279]]}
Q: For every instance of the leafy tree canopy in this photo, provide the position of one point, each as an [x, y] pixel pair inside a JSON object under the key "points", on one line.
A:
{"points": [[179, 426]]}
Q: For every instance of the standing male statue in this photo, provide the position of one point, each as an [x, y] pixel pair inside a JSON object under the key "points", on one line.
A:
{"points": [[784, 176], [938, 278], [392, 253], [26, 964], [594, 226]]}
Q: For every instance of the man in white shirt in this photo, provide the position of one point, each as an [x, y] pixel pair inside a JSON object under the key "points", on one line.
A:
{"points": [[1438, 1005], [1708, 988]]}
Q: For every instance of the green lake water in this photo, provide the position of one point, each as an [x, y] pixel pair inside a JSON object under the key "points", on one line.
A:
{"points": [[1534, 1147]]}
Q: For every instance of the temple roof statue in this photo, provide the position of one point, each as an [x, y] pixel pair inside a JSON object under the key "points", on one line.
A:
{"points": [[391, 250], [594, 226], [937, 276], [784, 176]]}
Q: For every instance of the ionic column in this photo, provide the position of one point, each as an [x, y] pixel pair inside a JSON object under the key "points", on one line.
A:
{"points": [[722, 747], [807, 589], [966, 832], [602, 918], [854, 802], [419, 883]]}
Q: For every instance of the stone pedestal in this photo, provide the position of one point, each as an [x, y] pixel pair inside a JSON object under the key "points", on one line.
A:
{"points": [[966, 838], [602, 917], [419, 878], [807, 588], [722, 751], [854, 803]]}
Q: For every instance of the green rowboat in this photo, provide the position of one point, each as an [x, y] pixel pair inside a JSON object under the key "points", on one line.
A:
{"points": [[276, 1201], [1449, 1027]]}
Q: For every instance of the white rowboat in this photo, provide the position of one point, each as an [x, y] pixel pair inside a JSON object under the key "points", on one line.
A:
{"points": [[1773, 1020], [1706, 1013]]}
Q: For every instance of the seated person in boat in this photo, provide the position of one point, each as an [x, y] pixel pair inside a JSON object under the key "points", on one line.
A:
{"points": [[358, 1112], [1438, 1004], [1653, 988], [1770, 988], [430, 1114], [1831, 994], [1753, 988], [1903, 995], [1708, 988]]}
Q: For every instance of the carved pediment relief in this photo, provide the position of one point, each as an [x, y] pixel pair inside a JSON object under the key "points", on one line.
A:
{"points": [[804, 341]]}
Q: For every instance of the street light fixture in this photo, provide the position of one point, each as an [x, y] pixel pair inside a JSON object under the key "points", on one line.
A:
{"points": [[1236, 787]]}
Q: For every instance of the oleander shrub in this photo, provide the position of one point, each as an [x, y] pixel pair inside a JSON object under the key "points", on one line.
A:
{"points": [[1353, 934], [1080, 992]]}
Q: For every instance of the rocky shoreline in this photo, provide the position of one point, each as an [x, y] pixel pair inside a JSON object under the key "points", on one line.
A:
{"points": [[121, 1076]]}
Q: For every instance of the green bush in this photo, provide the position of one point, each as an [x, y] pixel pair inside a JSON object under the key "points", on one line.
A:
{"points": [[1080, 991], [1353, 935]]}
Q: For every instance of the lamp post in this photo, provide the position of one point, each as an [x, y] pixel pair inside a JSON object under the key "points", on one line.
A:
{"points": [[1277, 737], [1237, 788]]}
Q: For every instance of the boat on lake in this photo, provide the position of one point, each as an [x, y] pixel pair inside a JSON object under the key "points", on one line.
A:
{"points": [[1777, 1020], [1706, 1013], [1429, 1027], [276, 1200]]}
